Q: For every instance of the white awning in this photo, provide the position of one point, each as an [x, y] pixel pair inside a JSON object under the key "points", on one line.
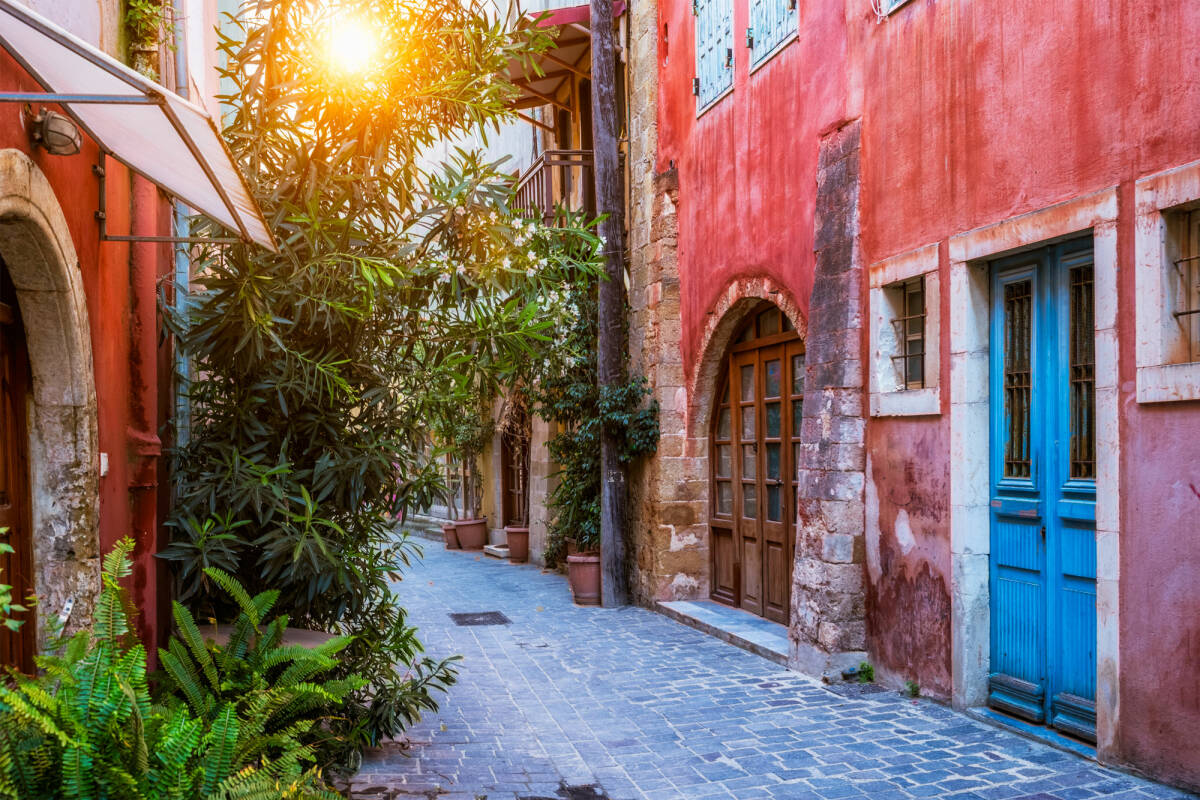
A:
{"points": [[151, 130]]}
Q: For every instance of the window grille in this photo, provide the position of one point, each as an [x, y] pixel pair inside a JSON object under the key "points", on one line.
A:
{"points": [[1083, 374], [1018, 377], [1187, 276], [909, 358], [714, 49]]}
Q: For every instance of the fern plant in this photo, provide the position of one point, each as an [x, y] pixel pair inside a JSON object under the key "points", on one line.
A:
{"points": [[289, 692], [86, 728]]}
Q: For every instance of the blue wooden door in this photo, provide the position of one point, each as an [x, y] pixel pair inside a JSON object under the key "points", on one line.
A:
{"points": [[1043, 488]]}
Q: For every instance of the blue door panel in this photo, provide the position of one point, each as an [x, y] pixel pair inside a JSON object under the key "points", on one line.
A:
{"points": [[1043, 550], [1077, 552]]}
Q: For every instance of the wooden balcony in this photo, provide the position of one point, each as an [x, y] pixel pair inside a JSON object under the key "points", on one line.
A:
{"points": [[558, 179]]}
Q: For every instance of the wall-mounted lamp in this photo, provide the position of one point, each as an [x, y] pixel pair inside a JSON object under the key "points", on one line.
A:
{"points": [[56, 133]]}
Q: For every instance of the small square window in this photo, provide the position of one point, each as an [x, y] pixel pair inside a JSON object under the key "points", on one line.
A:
{"points": [[1167, 285], [904, 334]]}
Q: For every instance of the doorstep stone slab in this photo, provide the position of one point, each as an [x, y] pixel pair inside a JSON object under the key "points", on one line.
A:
{"points": [[497, 550], [733, 625]]}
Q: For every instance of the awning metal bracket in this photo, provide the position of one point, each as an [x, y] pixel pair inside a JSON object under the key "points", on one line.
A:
{"points": [[100, 172], [99, 169]]}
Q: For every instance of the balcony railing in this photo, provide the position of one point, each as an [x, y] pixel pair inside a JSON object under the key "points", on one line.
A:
{"points": [[557, 179]]}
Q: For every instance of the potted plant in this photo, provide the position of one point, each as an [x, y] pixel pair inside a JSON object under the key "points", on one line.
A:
{"points": [[470, 434], [516, 433], [568, 394]]}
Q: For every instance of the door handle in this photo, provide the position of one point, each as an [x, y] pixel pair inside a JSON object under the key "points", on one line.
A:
{"points": [[1043, 533]]}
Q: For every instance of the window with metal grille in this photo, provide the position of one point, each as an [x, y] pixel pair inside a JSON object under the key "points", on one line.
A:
{"points": [[1018, 378], [714, 50], [1083, 373], [909, 327], [772, 22], [1186, 280]]}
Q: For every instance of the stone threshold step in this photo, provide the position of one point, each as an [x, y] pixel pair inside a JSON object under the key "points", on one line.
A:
{"points": [[732, 625], [497, 550]]}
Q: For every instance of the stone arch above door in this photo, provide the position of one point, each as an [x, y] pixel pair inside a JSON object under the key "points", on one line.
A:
{"points": [[724, 319], [37, 249], [678, 552]]}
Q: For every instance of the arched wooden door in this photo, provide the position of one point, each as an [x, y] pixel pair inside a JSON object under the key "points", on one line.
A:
{"points": [[16, 569], [755, 447]]}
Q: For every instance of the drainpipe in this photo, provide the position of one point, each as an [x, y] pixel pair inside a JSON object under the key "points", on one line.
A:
{"points": [[183, 366], [144, 446]]}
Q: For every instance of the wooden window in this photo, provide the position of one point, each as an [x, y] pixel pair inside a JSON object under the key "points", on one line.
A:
{"points": [[714, 50], [772, 23], [1186, 280], [909, 325], [723, 457]]}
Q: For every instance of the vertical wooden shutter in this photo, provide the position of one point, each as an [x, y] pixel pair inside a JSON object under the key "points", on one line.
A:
{"points": [[772, 22], [714, 43]]}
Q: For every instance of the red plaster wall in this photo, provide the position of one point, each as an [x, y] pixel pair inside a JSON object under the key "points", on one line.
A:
{"points": [[908, 592], [971, 113], [105, 272]]}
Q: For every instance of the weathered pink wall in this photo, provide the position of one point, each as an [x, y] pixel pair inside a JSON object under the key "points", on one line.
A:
{"points": [[971, 113]]}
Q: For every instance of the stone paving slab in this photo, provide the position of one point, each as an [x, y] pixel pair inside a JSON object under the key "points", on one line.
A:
{"points": [[565, 702]]}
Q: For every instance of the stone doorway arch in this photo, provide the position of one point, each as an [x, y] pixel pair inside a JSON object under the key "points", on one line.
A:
{"points": [[38, 251]]}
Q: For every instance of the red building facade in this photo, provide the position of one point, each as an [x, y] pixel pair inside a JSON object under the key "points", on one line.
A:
{"points": [[87, 249], [932, 192]]}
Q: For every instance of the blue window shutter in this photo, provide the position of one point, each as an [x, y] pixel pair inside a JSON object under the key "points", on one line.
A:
{"points": [[773, 22], [714, 40]]}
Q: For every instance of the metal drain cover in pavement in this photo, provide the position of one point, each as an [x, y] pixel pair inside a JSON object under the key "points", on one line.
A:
{"points": [[481, 618]]}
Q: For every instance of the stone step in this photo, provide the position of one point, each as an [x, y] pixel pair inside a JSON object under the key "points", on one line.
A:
{"points": [[733, 625]]}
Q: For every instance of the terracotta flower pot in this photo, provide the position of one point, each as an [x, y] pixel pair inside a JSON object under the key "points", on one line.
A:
{"points": [[450, 535], [518, 543], [472, 533], [583, 574]]}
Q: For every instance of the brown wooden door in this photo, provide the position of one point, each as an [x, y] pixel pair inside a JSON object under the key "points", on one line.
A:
{"points": [[749, 484], [16, 569], [772, 475], [754, 452], [514, 476]]}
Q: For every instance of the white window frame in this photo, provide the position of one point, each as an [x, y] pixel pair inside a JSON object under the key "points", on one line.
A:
{"points": [[886, 7], [1161, 377], [888, 395]]}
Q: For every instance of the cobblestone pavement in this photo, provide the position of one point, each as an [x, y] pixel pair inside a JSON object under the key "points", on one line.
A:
{"points": [[639, 706]]}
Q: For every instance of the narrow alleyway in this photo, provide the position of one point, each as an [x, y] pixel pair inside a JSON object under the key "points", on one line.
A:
{"points": [[640, 706]]}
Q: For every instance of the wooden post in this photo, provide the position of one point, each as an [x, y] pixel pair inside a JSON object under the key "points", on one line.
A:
{"points": [[611, 300]]}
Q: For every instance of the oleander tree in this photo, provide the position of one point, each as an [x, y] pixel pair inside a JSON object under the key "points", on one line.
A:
{"points": [[404, 289]]}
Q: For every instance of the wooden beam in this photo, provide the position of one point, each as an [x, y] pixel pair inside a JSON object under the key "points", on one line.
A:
{"points": [[610, 306], [547, 98], [535, 123], [547, 76], [571, 67]]}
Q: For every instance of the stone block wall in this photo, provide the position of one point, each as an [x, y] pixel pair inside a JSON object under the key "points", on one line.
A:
{"points": [[667, 493], [828, 630]]}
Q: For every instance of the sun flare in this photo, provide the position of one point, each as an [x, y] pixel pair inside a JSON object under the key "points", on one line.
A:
{"points": [[352, 46]]}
